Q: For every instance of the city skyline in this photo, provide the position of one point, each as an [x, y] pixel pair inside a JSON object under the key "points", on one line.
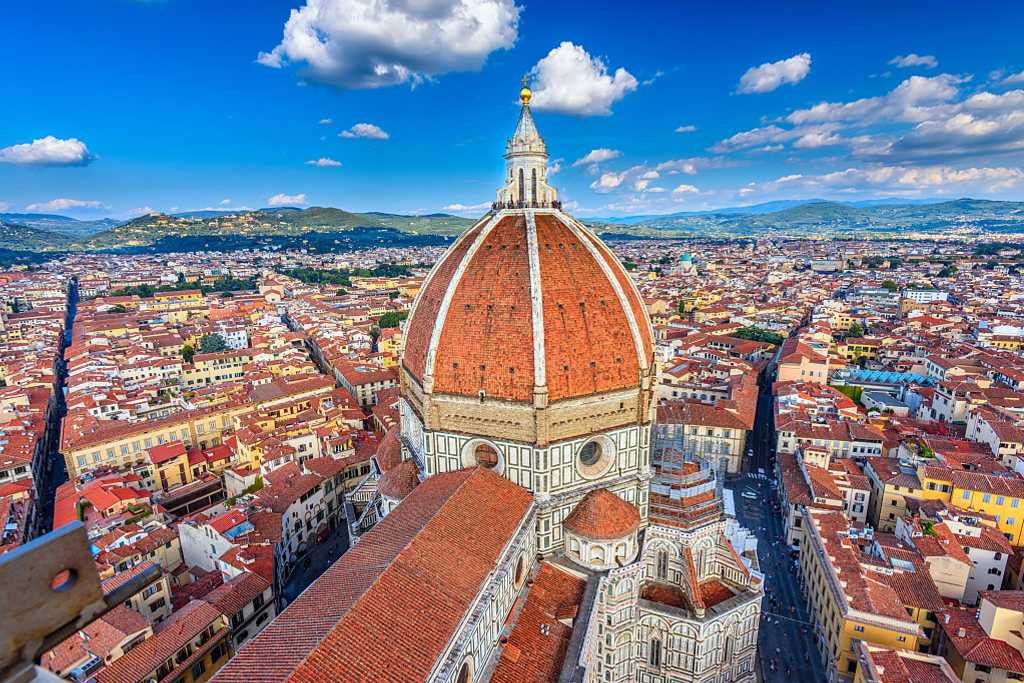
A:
{"points": [[678, 109]]}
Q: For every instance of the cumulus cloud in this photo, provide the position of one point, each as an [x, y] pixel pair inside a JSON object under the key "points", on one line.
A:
{"points": [[467, 207], [47, 151], [281, 199], [64, 204], [596, 156], [326, 122], [1014, 78], [771, 75], [685, 189], [607, 182], [907, 61], [324, 162], [571, 81], [686, 129], [378, 43], [4, 206], [896, 181], [555, 166], [817, 138], [225, 201], [365, 130]]}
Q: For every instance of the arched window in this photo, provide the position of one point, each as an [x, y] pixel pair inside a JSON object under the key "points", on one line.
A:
{"points": [[522, 186], [661, 570], [520, 571], [590, 453], [533, 186], [465, 673], [486, 456], [655, 655]]}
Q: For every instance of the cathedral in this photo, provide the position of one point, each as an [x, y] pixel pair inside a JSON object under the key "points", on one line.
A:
{"points": [[529, 528]]}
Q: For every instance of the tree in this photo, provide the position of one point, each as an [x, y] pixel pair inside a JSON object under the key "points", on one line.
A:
{"points": [[890, 285], [948, 270], [855, 330], [212, 343], [120, 308], [187, 352], [392, 318], [340, 292]]}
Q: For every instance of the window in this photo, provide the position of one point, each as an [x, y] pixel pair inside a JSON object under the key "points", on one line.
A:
{"points": [[858, 628], [655, 655], [486, 456], [198, 670], [466, 670], [590, 453], [661, 570]]}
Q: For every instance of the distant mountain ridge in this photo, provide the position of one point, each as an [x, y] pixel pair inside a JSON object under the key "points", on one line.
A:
{"points": [[48, 232]]}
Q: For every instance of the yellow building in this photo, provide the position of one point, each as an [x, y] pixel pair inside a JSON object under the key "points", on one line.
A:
{"points": [[999, 499], [849, 601]]}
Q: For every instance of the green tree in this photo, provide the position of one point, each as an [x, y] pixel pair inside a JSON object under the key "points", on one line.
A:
{"points": [[120, 308], [890, 285], [212, 343], [948, 270], [188, 352], [392, 318], [855, 330]]}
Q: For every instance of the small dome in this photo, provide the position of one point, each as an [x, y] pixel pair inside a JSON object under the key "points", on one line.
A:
{"points": [[398, 482], [602, 515]]}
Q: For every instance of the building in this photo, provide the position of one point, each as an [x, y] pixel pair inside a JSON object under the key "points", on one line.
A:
{"points": [[521, 474]]}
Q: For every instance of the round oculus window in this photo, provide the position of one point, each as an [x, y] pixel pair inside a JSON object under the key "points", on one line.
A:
{"points": [[590, 453], [486, 456]]}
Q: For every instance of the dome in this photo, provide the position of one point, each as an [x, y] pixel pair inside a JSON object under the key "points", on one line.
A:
{"points": [[602, 515], [528, 302]]}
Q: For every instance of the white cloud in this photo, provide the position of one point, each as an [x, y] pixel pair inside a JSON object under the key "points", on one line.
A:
{"points": [[326, 122], [570, 81], [375, 43], [817, 138], [597, 156], [1014, 78], [48, 151], [324, 162], [365, 130], [555, 166], [64, 204], [4, 206], [467, 207], [607, 182], [686, 129], [887, 180], [907, 61], [225, 201], [281, 199], [685, 189], [771, 75]]}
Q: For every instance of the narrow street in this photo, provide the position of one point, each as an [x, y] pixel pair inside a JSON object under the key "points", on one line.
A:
{"points": [[786, 647], [315, 563], [55, 472]]}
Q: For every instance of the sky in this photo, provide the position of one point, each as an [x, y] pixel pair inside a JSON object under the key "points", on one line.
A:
{"points": [[122, 107]]}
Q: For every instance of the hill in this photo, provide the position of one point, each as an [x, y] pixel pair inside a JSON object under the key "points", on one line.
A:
{"points": [[18, 237], [283, 221], [59, 224]]}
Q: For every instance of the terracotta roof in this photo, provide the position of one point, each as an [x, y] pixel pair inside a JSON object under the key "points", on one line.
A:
{"points": [[409, 580], [602, 515], [481, 296], [531, 655], [399, 481]]}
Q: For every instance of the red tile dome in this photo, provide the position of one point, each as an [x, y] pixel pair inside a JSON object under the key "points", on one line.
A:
{"points": [[528, 300], [399, 481], [602, 515]]}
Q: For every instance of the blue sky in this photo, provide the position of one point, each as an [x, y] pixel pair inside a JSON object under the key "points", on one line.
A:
{"points": [[119, 107]]}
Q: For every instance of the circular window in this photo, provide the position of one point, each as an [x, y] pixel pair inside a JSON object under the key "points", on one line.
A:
{"points": [[590, 453], [465, 672], [595, 457], [520, 571], [486, 456]]}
